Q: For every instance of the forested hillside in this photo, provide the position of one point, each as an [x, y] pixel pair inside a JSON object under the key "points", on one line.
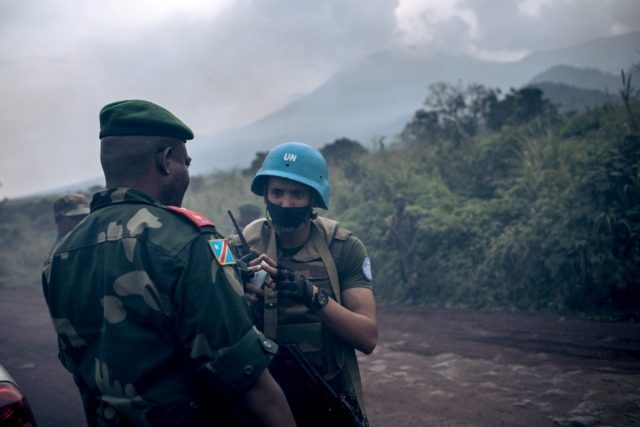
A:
{"points": [[509, 204], [570, 99]]}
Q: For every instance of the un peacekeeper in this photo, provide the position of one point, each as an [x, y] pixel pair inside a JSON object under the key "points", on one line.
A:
{"points": [[145, 297], [323, 304], [68, 211]]}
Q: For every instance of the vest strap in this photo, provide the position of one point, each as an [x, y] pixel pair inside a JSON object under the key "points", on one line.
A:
{"points": [[270, 312], [321, 245], [349, 353]]}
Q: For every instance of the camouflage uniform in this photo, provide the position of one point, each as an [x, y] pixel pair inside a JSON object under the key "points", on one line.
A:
{"points": [[153, 327], [297, 324]]}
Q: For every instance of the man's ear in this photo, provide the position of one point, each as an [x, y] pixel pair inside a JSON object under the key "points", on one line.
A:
{"points": [[163, 160]]}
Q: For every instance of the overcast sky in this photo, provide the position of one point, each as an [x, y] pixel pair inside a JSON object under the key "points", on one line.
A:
{"points": [[221, 64]]}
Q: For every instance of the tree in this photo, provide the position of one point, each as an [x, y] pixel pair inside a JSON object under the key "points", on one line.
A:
{"points": [[424, 127], [256, 163], [518, 107], [341, 150], [461, 110]]}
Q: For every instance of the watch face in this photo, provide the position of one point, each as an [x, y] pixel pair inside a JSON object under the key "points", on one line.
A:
{"points": [[321, 299]]}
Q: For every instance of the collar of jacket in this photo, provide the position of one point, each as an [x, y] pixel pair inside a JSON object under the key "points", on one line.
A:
{"points": [[119, 195]]}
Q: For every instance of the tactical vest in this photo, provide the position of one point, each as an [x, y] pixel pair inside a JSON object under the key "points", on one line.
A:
{"points": [[293, 323], [289, 322]]}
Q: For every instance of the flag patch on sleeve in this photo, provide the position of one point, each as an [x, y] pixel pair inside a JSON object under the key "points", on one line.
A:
{"points": [[222, 251]]}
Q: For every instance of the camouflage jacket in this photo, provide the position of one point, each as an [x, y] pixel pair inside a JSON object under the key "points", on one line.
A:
{"points": [[150, 314]]}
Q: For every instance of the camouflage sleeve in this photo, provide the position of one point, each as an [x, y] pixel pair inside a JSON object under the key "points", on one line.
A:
{"points": [[62, 355], [354, 265], [212, 321]]}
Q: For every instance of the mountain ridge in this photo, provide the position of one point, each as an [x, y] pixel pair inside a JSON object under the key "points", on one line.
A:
{"points": [[375, 96], [584, 78]]}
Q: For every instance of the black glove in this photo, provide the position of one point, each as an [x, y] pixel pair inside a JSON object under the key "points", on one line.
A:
{"points": [[293, 285]]}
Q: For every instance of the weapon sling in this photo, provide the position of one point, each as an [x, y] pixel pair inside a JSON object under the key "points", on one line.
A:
{"points": [[329, 262]]}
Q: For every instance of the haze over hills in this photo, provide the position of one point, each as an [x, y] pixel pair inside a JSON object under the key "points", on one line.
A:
{"points": [[585, 78], [571, 98], [578, 89], [375, 96]]}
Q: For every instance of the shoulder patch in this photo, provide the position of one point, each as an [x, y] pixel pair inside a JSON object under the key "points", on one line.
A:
{"points": [[366, 269], [198, 219], [222, 251]]}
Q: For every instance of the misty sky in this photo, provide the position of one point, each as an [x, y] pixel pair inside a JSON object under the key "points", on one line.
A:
{"points": [[222, 64]]}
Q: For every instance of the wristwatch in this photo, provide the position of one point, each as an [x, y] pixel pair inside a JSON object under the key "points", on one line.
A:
{"points": [[320, 299]]}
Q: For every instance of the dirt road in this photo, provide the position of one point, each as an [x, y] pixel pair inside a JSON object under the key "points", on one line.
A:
{"points": [[439, 367], [432, 367]]}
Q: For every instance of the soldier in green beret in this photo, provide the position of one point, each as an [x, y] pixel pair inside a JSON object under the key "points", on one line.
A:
{"points": [[145, 296], [68, 211]]}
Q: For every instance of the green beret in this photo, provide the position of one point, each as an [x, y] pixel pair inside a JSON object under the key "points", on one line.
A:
{"points": [[136, 117]]}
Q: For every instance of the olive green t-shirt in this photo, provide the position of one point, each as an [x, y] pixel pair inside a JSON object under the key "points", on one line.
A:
{"points": [[353, 264]]}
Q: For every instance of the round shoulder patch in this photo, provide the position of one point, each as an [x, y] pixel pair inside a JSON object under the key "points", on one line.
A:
{"points": [[366, 269]]}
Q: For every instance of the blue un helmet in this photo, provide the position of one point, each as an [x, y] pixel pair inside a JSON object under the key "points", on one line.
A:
{"points": [[297, 162]]}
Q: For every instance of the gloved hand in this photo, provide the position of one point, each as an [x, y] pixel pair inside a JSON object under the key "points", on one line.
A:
{"points": [[293, 285]]}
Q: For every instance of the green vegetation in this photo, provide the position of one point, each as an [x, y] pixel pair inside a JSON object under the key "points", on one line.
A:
{"points": [[27, 233], [517, 205]]}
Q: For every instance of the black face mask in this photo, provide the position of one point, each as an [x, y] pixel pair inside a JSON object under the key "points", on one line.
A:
{"points": [[287, 219]]}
